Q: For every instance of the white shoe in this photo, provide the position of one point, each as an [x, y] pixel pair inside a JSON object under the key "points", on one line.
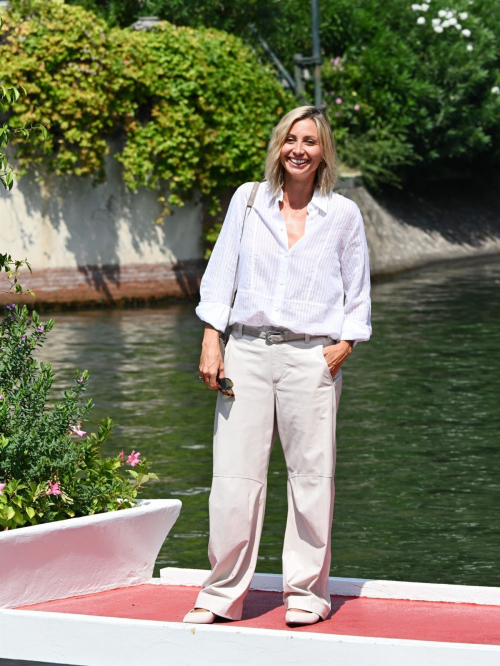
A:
{"points": [[199, 617], [296, 617]]}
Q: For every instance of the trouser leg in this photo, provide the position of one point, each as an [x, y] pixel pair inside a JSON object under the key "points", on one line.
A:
{"points": [[244, 432], [306, 402]]}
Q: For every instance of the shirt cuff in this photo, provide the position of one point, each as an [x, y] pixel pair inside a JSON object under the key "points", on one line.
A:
{"points": [[216, 314], [356, 331]]}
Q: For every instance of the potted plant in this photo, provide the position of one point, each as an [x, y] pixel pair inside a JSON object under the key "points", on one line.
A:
{"points": [[70, 520]]}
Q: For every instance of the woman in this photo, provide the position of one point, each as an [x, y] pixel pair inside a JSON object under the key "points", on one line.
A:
{"points": [[302, 303]]}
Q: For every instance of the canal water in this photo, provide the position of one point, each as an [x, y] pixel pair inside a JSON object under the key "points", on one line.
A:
{"points": [[418, 475]]}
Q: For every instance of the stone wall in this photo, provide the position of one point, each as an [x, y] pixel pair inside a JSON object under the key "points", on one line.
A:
{"points": [[100, 245], [428, 223]]}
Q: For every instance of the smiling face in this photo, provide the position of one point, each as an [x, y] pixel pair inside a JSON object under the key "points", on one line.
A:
{"points": [[301, 153]]}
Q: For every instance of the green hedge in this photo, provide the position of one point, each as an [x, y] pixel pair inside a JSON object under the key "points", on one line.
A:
{"points": [[428, 95], [194, 108]]}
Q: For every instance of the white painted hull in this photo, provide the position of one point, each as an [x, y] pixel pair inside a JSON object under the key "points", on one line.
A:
{"points": [[83, 555]]}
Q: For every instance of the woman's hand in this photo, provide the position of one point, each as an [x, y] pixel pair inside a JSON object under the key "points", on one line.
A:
{"points": [[211, 363], [335, 355]]}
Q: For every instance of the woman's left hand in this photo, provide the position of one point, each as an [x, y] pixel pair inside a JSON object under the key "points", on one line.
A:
{"points": [[335, 355]]}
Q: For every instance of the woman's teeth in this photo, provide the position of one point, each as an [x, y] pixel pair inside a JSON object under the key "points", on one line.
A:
{"points": [[297, 162]]}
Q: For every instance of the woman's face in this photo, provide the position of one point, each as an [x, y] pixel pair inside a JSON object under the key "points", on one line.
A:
{"points": [[301, 153]]}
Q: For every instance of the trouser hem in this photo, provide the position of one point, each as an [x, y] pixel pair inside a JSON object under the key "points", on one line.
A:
{"points": [[218, 606], [313, 605]]}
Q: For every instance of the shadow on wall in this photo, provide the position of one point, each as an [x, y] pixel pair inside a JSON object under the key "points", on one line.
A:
{"points": [[461, 211], [427, 223], [101, 228]]}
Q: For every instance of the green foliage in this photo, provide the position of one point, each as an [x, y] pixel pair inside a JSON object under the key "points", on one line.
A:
{"points": [[422, 96], [194, 108], [48, 470], [424, 99], [9, 95], [11, 267]]}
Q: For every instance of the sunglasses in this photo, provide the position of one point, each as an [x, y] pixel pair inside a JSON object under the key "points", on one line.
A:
{"points": [[225, 386]]}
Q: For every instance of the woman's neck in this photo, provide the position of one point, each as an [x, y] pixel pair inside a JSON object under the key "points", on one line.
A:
{"points": [[297, 193]]}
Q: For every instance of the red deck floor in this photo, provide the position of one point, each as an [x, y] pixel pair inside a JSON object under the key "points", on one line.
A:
{"points": [[382, 618]]}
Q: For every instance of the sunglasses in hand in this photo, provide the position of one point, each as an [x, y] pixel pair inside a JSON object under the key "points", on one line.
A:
{"points": [[225, 386]]}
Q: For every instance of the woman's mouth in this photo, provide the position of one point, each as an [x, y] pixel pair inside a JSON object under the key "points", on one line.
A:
{"points": [[297, 162]]}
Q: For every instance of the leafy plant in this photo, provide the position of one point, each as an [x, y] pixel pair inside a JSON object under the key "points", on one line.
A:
{"points": [[193, 108], [419, 83], [49, 469], [8, 96]]}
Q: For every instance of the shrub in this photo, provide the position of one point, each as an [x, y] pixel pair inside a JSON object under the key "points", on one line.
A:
{"points": [[194, 108], [427, 92], [49, 470], [417, 84]]}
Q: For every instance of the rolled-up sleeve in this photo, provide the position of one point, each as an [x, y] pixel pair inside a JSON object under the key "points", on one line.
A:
{"points": [[355, 270], [216, 289]]}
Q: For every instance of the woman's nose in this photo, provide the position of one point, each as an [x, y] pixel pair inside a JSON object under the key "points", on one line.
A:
{"points": [[298, 149]]}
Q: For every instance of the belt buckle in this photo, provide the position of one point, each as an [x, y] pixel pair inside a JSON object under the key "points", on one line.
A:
{"points": [[270, 333]]}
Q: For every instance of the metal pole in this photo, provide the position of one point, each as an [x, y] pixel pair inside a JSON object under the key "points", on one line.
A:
{"points": [[273, 57], [316, 52]]}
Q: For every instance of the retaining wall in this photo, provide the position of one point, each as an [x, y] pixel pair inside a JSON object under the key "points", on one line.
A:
{"points": [[101, 245]]}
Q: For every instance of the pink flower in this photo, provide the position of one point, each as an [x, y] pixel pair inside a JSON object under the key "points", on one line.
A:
{"points": [[1, 396], [133, 458], [77, 430], [80, 380], [2, 486], [338, 100], [338, 115], [41, 329], [122, 455], [54, 489], [357, 107]]}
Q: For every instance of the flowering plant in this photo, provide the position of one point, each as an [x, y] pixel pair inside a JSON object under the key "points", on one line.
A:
{"points": [[50, 468], [417, 84]]}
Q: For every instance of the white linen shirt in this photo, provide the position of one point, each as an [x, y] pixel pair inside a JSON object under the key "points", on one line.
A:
{"points": [[319, 286]]}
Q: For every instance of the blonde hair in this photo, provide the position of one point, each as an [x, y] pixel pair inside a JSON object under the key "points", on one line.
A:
{"points": [[326, 173]]}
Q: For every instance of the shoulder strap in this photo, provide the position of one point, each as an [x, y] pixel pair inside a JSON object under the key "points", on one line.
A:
{"points": [[250, 203]]}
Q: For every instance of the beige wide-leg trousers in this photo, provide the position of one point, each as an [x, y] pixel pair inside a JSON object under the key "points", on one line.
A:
{"points": [[283, 388]]}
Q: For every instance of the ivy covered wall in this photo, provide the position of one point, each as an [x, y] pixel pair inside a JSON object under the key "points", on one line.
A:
{"points": [[191, 108]]}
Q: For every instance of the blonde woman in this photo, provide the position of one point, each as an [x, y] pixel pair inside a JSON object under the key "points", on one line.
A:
{"points": [[302, 303]]}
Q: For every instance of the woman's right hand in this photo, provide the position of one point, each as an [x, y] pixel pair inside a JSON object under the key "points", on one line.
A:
{"points": [[211, 362]]}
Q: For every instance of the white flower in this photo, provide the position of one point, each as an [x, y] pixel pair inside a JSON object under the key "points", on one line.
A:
{"points": [[436, 21], [421, 20], [452, 21], [466, 32], [458, 26], [450, 14], [424, 7], [463, 16], [438, 28], [445, 24], [470, 47], [442, 13], [495, 90], [416, 8]]}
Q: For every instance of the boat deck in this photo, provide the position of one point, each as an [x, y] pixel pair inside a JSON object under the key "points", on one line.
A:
{"points": [[350, 616]]}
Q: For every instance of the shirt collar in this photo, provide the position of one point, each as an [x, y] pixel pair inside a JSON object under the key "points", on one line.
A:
{"points": [[318, 200]]}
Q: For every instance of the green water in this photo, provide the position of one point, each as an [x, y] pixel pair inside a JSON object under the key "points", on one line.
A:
{"points": [[418, 487]]}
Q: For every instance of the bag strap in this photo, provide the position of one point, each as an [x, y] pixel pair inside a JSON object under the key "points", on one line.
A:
{"points": [[250, 203]]}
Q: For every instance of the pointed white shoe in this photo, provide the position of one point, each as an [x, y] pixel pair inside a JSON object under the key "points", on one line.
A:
{"points": [[199, 617], [296, 617]]}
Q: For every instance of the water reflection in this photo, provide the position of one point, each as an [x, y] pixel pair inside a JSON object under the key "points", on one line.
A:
{"points": [[418, 461]]}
